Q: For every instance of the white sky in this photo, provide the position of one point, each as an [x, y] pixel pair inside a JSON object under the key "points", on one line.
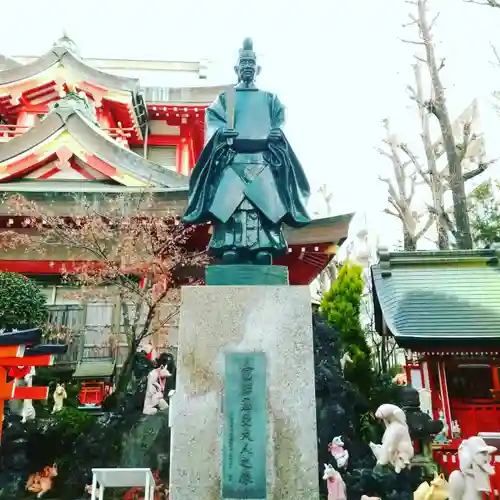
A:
{"points": [[338, 66]]}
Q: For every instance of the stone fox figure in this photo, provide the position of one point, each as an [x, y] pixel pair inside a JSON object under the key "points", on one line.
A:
{"points": [[472, 480], [396, 448], [248, 181]]}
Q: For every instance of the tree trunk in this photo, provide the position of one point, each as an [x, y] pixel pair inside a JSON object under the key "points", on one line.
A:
{"points": [[439, 109], [462, 223], [126, 372], [443, 240], [409, 243]]}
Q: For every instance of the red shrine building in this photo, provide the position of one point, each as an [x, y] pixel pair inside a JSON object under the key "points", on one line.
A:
{"points": [[70, 126], [443, 310]]}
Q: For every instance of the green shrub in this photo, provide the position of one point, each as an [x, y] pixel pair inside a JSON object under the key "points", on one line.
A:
{"points": [[71, 422], [341, 306], [22, 303]]}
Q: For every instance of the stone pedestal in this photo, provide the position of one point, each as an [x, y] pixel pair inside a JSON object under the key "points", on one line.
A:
{"points": [[214, 320]]}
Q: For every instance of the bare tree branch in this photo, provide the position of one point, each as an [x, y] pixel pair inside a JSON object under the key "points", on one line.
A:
{"points": [[402, 191], [488, 3], [455, 153], [482, 167], [425, 228], [130, 252], [495, 52]]}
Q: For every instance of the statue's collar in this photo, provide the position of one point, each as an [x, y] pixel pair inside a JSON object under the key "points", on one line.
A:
{"points": [[242, 86]]}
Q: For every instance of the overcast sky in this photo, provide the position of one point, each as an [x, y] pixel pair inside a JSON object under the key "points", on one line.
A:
{"points": [[338, 66]]}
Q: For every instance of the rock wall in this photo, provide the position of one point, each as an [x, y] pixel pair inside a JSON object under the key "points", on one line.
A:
{"points": [[121, 437], [338, 405]]}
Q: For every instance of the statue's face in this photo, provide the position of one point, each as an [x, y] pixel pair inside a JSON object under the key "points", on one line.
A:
{"points": [[482, 458], [247, 69]]}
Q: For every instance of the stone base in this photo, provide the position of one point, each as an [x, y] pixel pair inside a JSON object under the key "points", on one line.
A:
{"points": [[218, 319]]}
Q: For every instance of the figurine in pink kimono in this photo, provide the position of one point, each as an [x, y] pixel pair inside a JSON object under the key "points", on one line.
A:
{"points": [[335, 483], [341, 455], [154, 400]]}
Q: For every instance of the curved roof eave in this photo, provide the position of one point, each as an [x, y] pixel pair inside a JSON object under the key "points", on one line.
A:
{"points": [[93, 75], [8, 63], [25, 71], [95, 143], [68, 59], [31, 138], [122, 158]]}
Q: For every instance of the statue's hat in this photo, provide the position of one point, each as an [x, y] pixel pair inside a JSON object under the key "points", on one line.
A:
{"points": [[246, 51]]}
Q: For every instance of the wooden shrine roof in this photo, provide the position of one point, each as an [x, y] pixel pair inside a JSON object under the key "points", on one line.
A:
{"points": [[63, 53], [89, 143], [8, 63], [438, 298]]}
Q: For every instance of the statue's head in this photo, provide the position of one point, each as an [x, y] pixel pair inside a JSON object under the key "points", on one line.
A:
{"points": [[389, 413], [163, 372], [474, 451], [247, 68], [59, 389], [329, 472], [337, 441], [49, 471]]}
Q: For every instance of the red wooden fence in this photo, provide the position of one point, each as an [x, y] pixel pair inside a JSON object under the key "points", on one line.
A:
{"points": [[477, 417], [448, 460]]}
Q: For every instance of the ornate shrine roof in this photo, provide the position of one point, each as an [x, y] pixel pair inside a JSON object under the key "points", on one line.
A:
{"points": [[438, 298], [65, 53], [8, 63], [70, 131], [40, 81]]}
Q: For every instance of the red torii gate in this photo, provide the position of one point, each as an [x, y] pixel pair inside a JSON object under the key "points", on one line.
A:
{"points": [[21, 350]]}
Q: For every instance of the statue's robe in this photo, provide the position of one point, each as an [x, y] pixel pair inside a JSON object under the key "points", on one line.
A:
{"points": [[250, 188]]}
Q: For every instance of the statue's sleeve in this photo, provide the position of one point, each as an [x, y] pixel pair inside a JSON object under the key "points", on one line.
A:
{"points": [[215, 117], [277, 112]]}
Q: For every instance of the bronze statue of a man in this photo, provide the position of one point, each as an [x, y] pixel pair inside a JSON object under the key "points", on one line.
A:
{"points": [[248, 181]]}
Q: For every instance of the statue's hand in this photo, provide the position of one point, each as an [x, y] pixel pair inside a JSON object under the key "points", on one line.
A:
{"points": [[275, 135], [229, 133]]}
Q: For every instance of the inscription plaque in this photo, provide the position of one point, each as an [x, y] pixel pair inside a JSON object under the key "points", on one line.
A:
{"points": [[245, 426]]}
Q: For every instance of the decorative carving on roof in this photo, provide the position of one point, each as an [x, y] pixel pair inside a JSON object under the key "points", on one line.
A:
{"points": [[65, 44], [384, 261], [73, 102]]}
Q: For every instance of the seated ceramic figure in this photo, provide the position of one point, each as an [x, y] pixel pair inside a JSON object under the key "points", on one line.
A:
{"points": [[154, 399], [341, 455], [396, 448], [28, 412], [473, 478], [335, 483], [59, 396]]}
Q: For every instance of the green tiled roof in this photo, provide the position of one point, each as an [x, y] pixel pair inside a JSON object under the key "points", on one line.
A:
{"points": [[94, 369], [446, 298]]}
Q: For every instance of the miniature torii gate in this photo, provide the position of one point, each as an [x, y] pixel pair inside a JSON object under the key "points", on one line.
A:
{"points": [[20, 349]]}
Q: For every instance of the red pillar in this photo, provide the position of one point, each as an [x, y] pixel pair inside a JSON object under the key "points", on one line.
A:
{"points": [[445, 400], [3, 381], [495, 377]]}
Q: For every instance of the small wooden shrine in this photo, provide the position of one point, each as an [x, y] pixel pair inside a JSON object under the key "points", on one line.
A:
{"points": [[443, 310]]}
